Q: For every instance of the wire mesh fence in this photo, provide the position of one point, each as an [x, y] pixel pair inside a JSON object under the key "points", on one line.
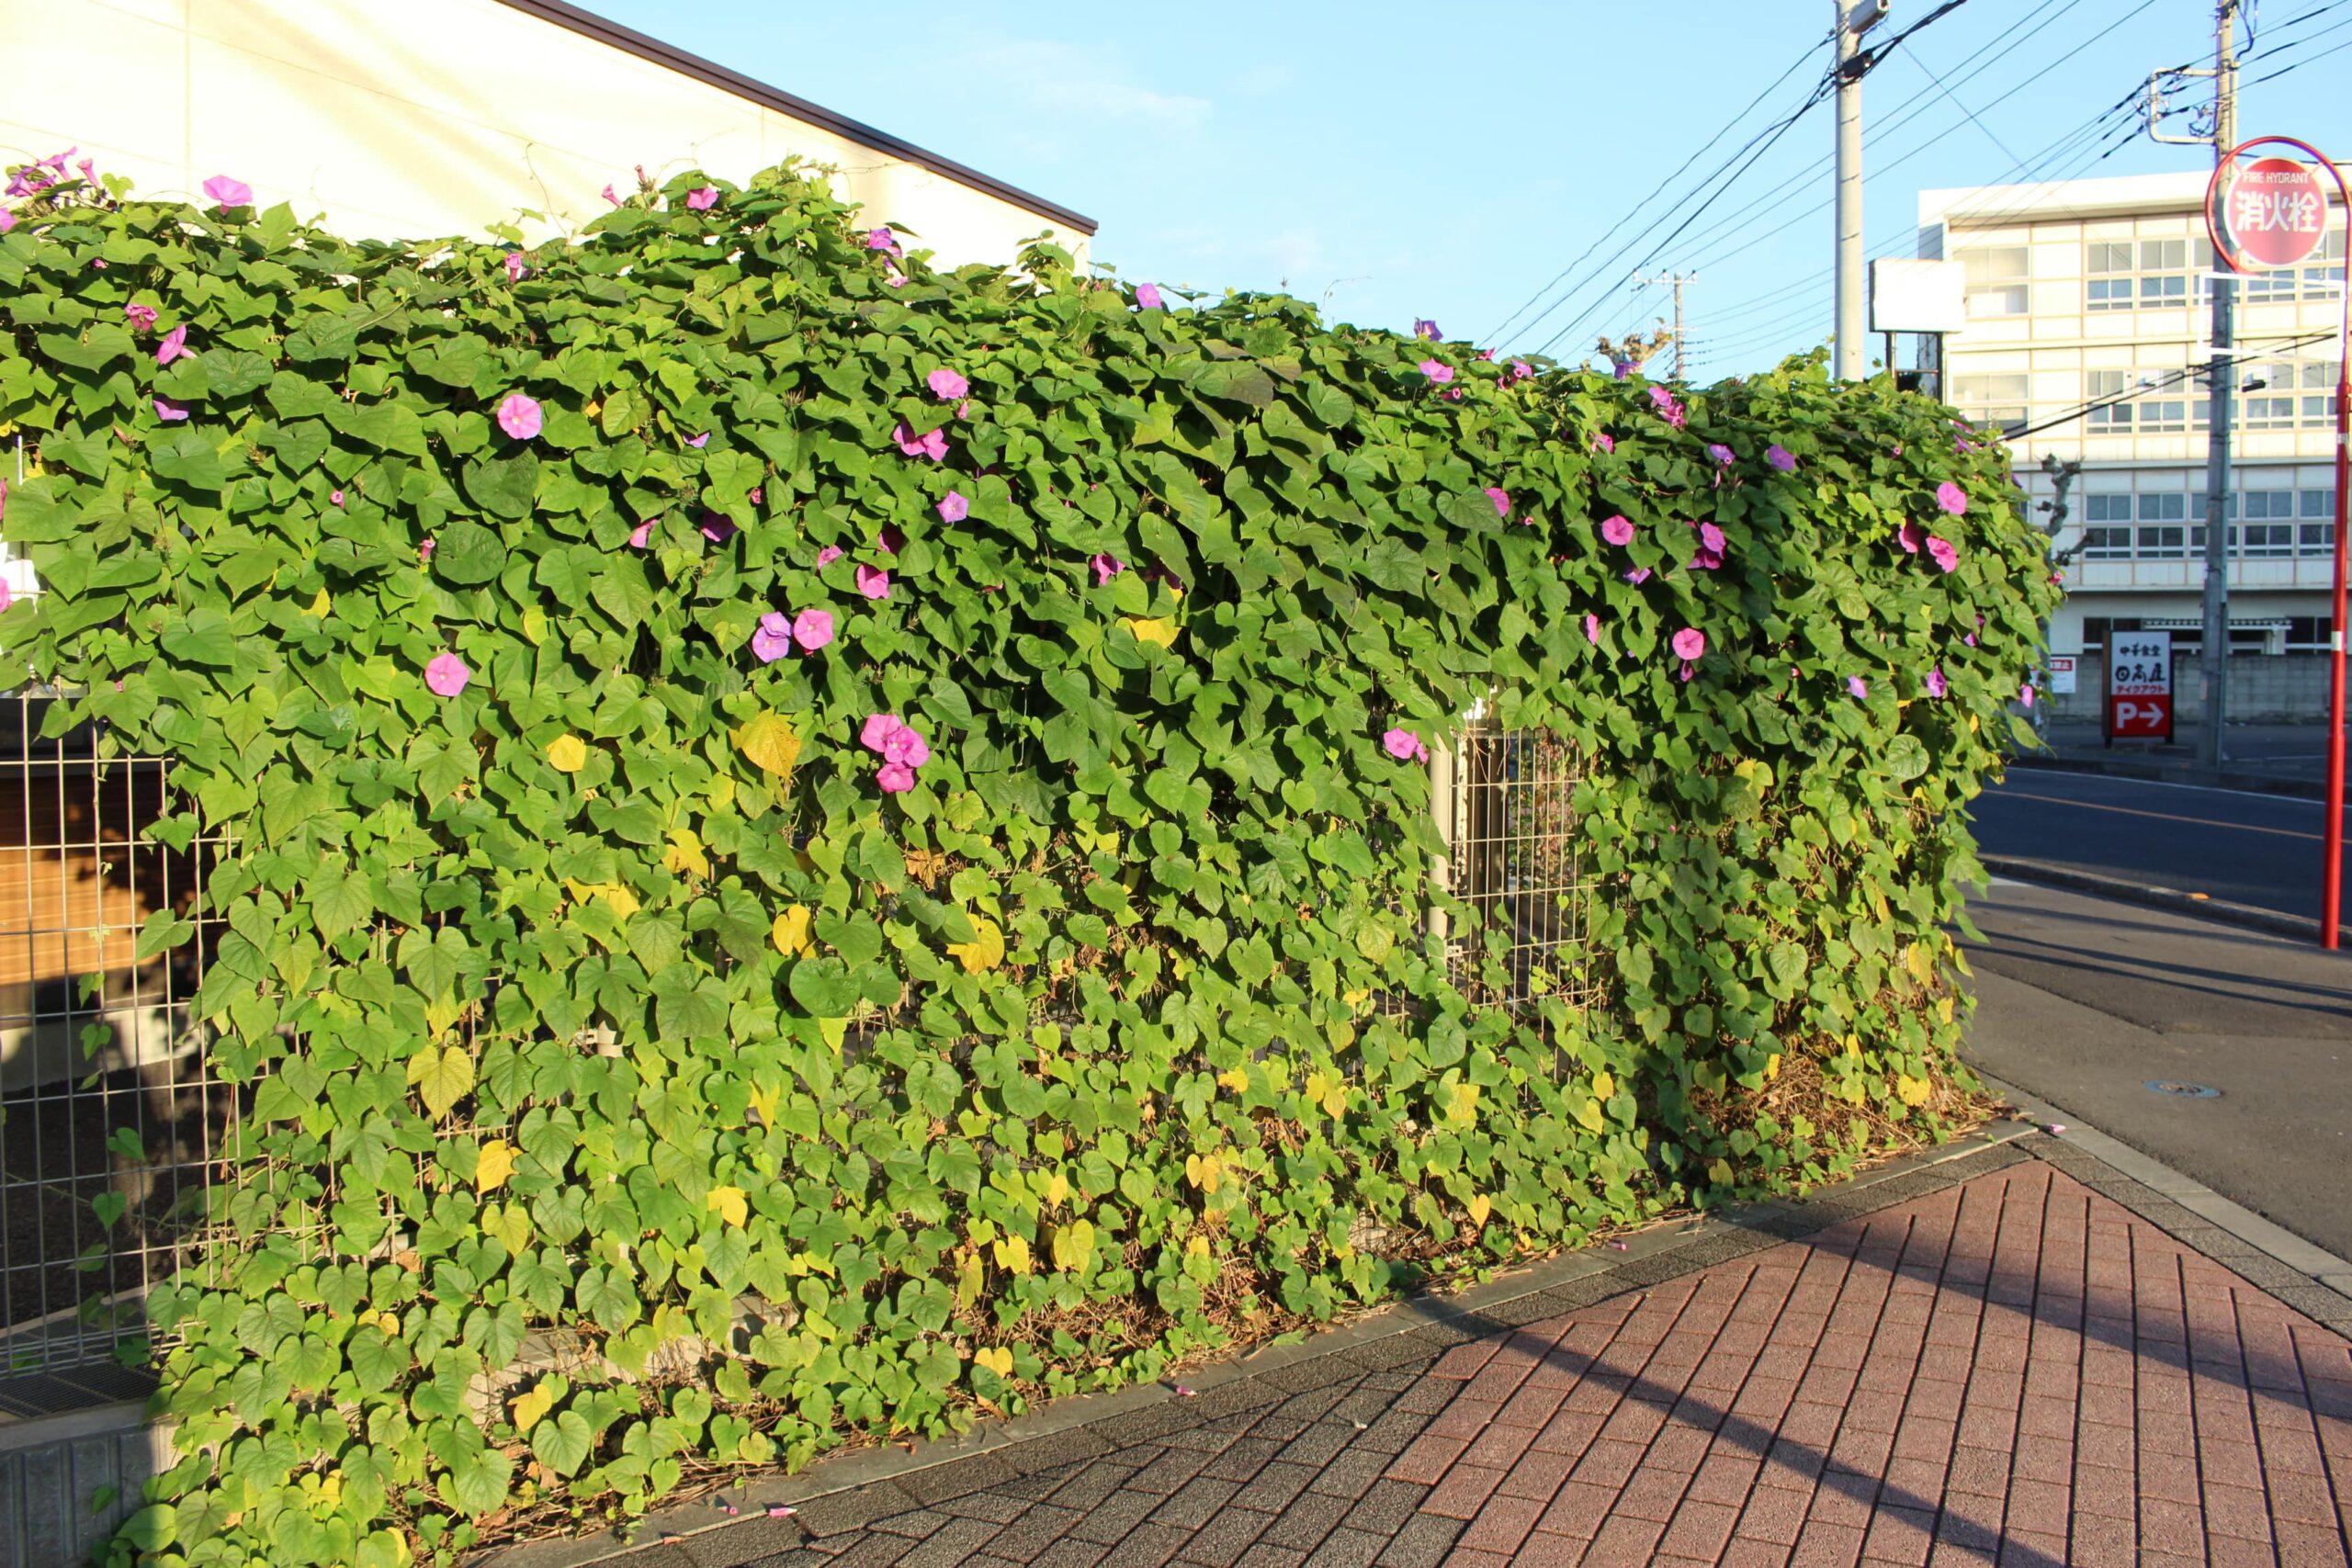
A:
{"points": [[110, 1122], [1506, 803]]}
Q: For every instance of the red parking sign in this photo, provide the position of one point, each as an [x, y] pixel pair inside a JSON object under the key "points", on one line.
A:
{"points": [[2270, 213], [2139, 685]]}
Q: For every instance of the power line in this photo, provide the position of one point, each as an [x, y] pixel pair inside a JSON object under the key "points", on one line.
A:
{"points": [[2174, 380]]}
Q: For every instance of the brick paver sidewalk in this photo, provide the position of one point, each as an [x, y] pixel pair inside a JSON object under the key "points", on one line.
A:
{"points": [[2014, 1369]]}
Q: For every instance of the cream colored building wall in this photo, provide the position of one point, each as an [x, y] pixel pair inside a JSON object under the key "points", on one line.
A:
{"points": [[413, 119]]}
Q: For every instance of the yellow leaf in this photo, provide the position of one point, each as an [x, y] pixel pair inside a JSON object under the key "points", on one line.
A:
{"points": [[443, 1075], [996, 1358], [622, 901], [1163, 632], [1057, 1190], [1592, 1115], [1235, 1078], [790, 932], [729, 1203], [566, 753], [320, 606], [763, 1099], [535, 624], [1603, 1086], [1465, 1103], [1480, 1207], [1720, 1173], [984, 951], [1074, 1245], [1911, 1090], [497, 1163], [528, 1409], [388, 1324], [1771, 1066], [970, 1275], [1197, 1247], [685, 856], [769, 741], [1012, 1252], [1203, 1171]]}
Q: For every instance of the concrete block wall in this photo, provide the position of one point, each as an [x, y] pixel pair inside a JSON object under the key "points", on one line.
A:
{"points": [[2289, 688]]}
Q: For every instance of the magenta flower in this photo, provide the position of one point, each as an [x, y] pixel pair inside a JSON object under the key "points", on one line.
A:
{"points": [[1858, 687], [1604, 442], [1911, 536], [883, 240], [1437, 370], [1720, 453], [611, 197], [873, 583], [1780, 457], [773, 641], [425, 553], [878, 729], [519, 416], [1688, 643], [1106, 566], [7, 220], [228, 192], [699, 442], [140, 317], [1969, 639], [1942, 552], [2024, 693], [1617, 531], [889, 541], [1521, 371], [643, 535], [1405, 746], [1666, 404], [891, 277], [1593, 629], [1501, 499], [1712, 540], [905, 745], [896, 778], [828, 555], [953, 507], [336, 496], [446, 675], [8, 597], [758, 494], [1706, 561], [946, 385], [1147, 295], [169, 413], [703, 198], [718, 529], [515, 267], [1937, 684], [812, 629], [1952, 497], [1638, 576], [931, 443], [1427, 329], [174, 346]]}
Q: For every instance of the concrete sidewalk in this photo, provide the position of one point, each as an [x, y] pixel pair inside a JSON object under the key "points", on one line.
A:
{"points": [[2007, 1352], [2265, 759]]}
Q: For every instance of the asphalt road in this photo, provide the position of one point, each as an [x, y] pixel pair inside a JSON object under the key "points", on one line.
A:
{"points": [[2263, 849], [2084, 1002]]}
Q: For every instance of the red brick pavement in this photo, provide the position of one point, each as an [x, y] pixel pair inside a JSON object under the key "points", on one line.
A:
{"points": [[2014, 1371]]}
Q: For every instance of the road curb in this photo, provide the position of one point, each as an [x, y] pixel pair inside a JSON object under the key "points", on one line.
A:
{"points": [[2170, 773], [2219, 910]]}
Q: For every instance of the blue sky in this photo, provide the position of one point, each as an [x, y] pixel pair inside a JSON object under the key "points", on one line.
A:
{"points": [[1446, 160]]}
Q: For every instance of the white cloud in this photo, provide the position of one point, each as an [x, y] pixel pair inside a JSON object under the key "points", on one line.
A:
{"points": [[1086, 85]]}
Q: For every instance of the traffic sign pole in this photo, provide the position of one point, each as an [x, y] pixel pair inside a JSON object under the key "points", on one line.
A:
{"points": [[2229, 247]]}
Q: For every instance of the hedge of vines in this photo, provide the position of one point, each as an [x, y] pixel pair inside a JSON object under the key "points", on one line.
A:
{"points": [[763, 770]]}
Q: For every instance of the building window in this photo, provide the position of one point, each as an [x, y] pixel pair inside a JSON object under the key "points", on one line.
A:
{"points": [[2116, 418], [2272, 404], [2320, 378], [1990, 399], [2324, 273], [2163, 408], [2106, 533], [1996, 279], [2162, 536], [2310, 634], [2147, 275], [2109, 269], [2315, 535]]}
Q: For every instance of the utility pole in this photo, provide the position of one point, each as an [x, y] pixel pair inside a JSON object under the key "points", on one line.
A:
{"points": [[2220, 378], [1851, 23], [1676, 280]]}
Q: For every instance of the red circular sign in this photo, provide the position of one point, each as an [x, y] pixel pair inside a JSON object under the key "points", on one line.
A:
{"points": [[2272, 212]]}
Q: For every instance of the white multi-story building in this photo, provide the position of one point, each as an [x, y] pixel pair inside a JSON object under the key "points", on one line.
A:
{"points": [[2089, 330]]}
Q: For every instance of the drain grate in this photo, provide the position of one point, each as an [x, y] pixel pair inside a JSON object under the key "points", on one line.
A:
{"points": [[2182, 1091]]}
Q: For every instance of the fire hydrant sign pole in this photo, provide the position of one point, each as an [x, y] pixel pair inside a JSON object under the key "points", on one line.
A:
{"points": [[2272, 212]]}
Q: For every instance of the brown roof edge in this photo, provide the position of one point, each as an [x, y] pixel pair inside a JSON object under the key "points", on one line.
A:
{"points": [[589, 24]]}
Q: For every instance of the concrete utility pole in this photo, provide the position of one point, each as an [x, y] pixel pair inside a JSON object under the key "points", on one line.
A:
{"points": [[2221, 382], [1676, 280], [1852, 22]]}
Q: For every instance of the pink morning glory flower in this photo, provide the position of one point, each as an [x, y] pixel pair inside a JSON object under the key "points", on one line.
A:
{"points": [[7, 220], [1952, 497], [891, 277], [889, 541], [8, 597], [1426, 328], [1638, 576], [1405, 746], [1706, 561], [1858, 687], [336, 496], [773, 641], [1106, 566], [643, 535], [873, 583], [1147, 295], [1911, 536], [516, 268], [169, 413], [1937, 684], [758, 494], [140, 317], [812, 629], [174, 346], [931, 443], [699, 442], [703, 198], [1720, 453], [828, 555], [1437, 370], [1617, 531], [2024, 693], [1969, 639], [1780, 457], [904, 744], [1593, 629], [1520, 370], [611, 197], [1942, 552], [1604, 442], [1712, 540], [425, 553], [519, 416], [946, 385], [953, 507], [228, 192], [878, 729], [896, 778], [446, 675], [882, 240], [718, 529], [1501, 499], [1688, 643]]}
